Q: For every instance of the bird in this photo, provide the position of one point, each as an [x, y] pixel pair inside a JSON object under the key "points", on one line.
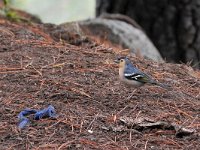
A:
{"points": [[132, 76]]}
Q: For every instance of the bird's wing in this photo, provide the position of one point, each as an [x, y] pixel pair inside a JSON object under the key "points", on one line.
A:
{"points": [[143, 78], [137, 77], [132, 73]]}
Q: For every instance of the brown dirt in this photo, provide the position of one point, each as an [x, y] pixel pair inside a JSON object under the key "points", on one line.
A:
{"points": [[81, 82]]}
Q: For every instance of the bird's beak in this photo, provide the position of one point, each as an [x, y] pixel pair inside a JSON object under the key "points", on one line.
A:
{"points": [[116, 61]]}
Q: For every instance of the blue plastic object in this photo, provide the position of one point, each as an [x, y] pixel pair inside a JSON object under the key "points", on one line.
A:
{"points": [[47, 112], [23, 120]]}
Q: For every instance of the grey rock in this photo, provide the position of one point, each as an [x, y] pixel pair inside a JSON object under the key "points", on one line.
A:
{"points": [[124, 34]]}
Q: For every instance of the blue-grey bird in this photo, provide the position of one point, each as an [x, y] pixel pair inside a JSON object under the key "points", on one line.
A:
{"points": [[130, 75]]}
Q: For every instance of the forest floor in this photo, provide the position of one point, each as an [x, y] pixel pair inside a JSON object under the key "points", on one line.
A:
{"points": [[95, 111]]}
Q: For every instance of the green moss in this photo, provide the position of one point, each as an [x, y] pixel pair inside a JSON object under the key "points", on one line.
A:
{"points": [[10, 13]]}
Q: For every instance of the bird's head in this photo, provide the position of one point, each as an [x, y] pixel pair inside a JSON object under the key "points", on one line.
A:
{"points": [[121, 61]]}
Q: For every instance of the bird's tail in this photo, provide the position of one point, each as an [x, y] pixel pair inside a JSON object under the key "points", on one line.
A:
{"points": [[165, 86]]}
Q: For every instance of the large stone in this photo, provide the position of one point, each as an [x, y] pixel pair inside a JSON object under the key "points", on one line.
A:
{"points": [[124, 34]]}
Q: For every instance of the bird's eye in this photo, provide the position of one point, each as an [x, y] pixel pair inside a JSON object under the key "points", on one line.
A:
{"points": [[121, 60]]}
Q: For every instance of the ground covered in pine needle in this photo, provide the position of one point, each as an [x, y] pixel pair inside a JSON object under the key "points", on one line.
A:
{"points": [[94, 110]]}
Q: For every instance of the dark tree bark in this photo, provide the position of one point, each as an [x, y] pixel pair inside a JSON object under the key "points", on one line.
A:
{"points": [[172, 25]]}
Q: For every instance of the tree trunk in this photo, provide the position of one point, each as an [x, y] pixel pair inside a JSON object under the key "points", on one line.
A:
{"points": [[172, 25]]}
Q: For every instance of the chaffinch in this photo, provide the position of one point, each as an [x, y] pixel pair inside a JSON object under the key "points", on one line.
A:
{"points": [[130, 75]]}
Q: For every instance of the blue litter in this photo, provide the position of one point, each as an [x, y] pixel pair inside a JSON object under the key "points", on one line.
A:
{"points": [[26, 112], [47, 112], [23, 122]]}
